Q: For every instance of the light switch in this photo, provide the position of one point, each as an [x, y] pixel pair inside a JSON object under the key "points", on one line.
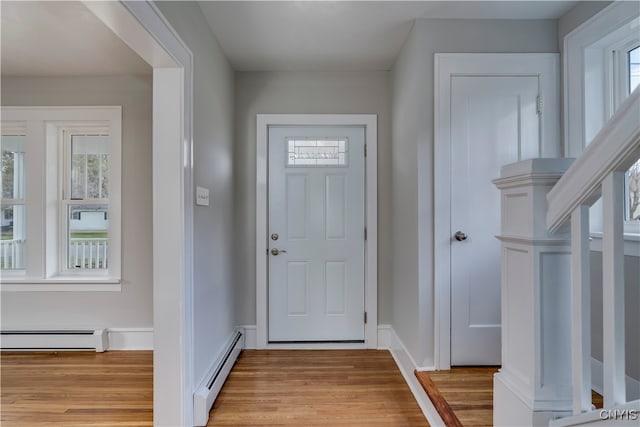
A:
{"points": [[202, 196]]}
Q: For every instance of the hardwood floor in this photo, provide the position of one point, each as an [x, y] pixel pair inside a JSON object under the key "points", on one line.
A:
{"points": [[462, 396], [316, 388], [265, 388], [76, 389]]}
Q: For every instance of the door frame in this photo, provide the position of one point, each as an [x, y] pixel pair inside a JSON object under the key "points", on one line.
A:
{"points": [[545, 66], [369, 122], [143, 27]]}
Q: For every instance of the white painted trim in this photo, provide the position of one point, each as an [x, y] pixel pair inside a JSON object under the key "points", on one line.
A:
{"points": [[631, 244], [615, 148], [61, 286], [407, 367], [542, 65], [249, 336], [130, 338], [141, 25], [575, 43], [369, 121], [597, 380]]}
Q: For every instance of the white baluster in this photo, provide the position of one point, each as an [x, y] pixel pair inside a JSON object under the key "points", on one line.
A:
{"points": [[104, 254], [613, 290], [581, 310]]}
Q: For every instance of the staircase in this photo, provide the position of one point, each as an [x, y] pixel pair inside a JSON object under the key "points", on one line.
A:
{"points": [[546, 284]]}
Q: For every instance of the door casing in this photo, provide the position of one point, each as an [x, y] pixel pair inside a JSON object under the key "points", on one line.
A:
{"points": [[369, 122], [545, 66]]}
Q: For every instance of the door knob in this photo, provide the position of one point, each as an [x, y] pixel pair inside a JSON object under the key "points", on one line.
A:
{"points": [[275, 251], [460, 236]]}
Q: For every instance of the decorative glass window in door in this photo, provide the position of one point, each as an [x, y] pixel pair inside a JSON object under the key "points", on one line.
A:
{"points": [[317, 152]]}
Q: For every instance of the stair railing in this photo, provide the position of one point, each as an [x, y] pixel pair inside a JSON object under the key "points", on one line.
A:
{"points": [[598, 172]]}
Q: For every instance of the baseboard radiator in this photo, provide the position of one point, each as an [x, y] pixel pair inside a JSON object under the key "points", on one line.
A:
{"points": [[46, 340], [208, 390]]}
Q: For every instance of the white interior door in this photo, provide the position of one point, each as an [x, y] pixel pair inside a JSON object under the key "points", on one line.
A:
{"points": [[494, 122], [316, 223]]}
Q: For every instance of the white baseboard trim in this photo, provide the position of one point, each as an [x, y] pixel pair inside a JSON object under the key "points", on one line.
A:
{"points": [[130, 338], [407, 367], [250, 337], [597, 383]]}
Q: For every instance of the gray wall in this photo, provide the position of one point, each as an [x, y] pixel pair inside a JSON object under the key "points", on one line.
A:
{"points": [[131, 308], [213, 139], [306, 93], [412, 160]]}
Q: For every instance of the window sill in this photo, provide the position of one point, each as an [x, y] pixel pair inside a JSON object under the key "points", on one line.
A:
{"points": [[631, 243], [60, 284]]}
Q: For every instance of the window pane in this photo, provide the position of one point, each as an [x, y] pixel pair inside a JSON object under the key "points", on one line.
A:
{"points": [[12, 243], [88, 237], [13, 166], [634, 68], [633, 178], [89, 167], [321, 152]]}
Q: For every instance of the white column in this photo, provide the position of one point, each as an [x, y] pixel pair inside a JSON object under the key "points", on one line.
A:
{"points": [[534, 384]]}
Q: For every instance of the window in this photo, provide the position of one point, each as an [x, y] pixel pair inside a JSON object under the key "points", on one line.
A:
{"points": [[71, 229], [13, 197], [633, 175], [316, 152]]}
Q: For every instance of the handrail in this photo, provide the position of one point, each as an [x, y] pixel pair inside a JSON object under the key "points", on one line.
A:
{"points": [[615, 148]]}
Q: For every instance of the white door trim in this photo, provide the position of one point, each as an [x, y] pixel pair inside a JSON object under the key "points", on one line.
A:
{"points": [[144, 29], [447, 65], [369, 121]]}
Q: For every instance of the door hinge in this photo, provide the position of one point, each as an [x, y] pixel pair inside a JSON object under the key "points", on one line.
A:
{"points": [[539, 104], [365, 233], [365, 317], [365, 150]]}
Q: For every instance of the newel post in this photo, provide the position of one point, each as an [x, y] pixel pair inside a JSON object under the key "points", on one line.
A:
{"points": [[534, 384]]}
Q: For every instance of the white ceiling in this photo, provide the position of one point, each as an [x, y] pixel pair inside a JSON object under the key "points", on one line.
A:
{"points": [[341, 35], [61, 38], [65, 38]]}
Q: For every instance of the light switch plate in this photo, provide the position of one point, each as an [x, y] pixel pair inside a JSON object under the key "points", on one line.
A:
{"points": [[202, 196]]}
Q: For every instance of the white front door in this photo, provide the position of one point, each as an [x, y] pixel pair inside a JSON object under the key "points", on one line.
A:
{"points": [[494, 122], [316, 233]]}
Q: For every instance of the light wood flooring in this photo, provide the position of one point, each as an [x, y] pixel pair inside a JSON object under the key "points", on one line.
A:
{"points": [[462, 396], [76, 389], [316, 388], [265, 388]]}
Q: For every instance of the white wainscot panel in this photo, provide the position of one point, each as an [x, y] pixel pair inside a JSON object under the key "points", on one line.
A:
{"points": [[520, 351], [516, 211], [555, 318]]}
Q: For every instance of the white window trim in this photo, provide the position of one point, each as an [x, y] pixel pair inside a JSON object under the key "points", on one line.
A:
{"points": [[585, 48], [592, 60], [42, 267]]}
